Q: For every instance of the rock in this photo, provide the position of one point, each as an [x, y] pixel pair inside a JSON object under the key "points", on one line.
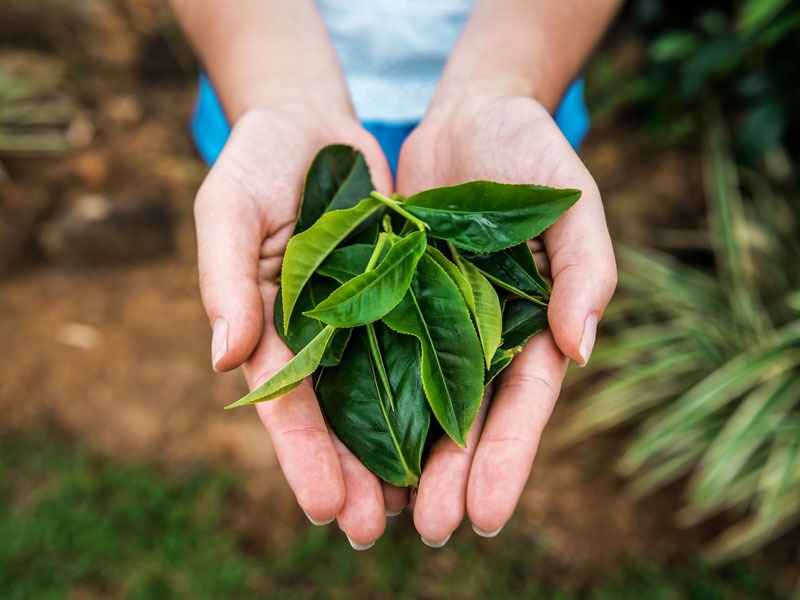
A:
{"points": [[98, 229]]}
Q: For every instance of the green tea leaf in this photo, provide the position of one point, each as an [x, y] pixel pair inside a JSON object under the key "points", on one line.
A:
{"points": [[485, 216], [388, 441], [347, 262], [367, 297], [303, 329], [307, 250], [486, 310], [434, 311], [521, 321], [338, 178], [501, 359], [512, 269], [481, 299], [455, 274], [292, 373]]}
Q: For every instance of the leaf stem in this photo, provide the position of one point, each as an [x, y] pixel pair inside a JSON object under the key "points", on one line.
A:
{"points": [[376, 252], [377, 359], [398, 208], [514, 290]]}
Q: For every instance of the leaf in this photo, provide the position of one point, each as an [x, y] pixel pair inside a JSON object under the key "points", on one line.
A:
{"points": [[303, 329], [481, 299], [292, 374], [307, 250], [521, 321], [485, 216], [388, 442], [337, 179], [434, 311], [347, 262], [486, 310], [750, 427], [714, 393], [756, 14], [367, 297], [501, 359], [455, 274], [512, 269]]}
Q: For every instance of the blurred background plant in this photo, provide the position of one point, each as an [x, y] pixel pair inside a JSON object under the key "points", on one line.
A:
{"points": [[36, 117], [703, 363], [700, 367], [737, 55]]}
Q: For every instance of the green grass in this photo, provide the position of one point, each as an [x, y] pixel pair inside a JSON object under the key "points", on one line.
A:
{"points": [[72, 521]]}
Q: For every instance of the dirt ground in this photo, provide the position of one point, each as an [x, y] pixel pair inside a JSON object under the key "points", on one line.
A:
{"points": [[117, 355]]}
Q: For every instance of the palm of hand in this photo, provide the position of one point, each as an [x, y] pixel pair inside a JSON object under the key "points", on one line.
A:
{"points": [[245, 213], [511, 140]]}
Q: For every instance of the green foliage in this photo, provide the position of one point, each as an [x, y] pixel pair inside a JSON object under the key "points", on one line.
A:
{"points": [[306, 251], [483, 216], [70, 520], [435, 312], [36, 117], [389, 435], [705, 363], [432, 271], [737, 56], [335, 180], [75, 524], [370, 295], [399, 567]]}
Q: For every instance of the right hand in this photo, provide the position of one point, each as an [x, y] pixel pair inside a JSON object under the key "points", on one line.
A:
{"points": [[245, 213]]}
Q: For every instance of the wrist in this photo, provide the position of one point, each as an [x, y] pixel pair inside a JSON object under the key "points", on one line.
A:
{"points": [[314, 102], [467, 99], [536, 83], [289, 117], [309, 91]]}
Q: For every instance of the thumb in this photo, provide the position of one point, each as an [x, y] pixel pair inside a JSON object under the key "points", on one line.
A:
{"points": [[229, 240], [584, 275]]}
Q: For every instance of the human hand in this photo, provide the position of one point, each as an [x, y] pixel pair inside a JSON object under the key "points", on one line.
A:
{"points": [[485, 134], [245, 212]]}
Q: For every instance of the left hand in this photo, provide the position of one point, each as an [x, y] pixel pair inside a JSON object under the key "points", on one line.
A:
{"points": [[484, 134]]}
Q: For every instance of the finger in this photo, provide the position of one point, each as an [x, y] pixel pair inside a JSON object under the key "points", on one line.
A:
{"points": [[584, 273], [395, 498], [363, 516], [298, 430], [521, 406], [540, 257], [229, 240], [441, 499]]}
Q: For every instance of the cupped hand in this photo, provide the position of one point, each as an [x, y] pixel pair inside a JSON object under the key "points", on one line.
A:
{"points": [[245, 212], [484, 134]]}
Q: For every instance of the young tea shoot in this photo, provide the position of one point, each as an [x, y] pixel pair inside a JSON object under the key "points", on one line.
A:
{"points": [[404, 309]]}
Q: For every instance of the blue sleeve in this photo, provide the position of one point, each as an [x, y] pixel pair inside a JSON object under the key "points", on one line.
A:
{"points": [[210, 128]]}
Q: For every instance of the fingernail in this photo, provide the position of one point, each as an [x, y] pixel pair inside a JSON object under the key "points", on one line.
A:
{"points": [[357, 546], [487, 534], [433, 544], [587, 342], [393, 513], [219, 341], [318, 523]]}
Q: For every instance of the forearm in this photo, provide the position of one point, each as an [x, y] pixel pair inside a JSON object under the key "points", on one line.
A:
{"points": [[533, 48], [261, 53]]}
